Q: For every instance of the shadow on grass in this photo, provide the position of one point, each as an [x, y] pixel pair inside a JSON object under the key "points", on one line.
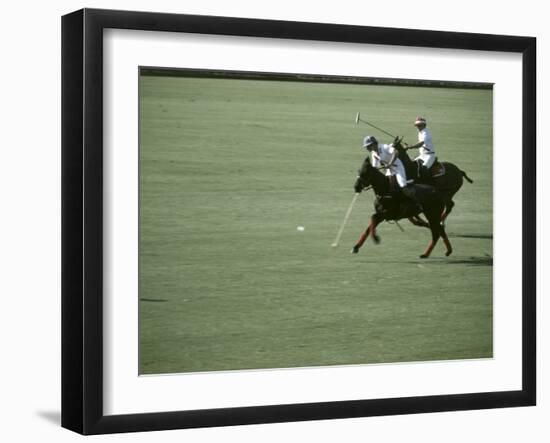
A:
{"points": [[154, 300], [485, 260], [478, 236]]}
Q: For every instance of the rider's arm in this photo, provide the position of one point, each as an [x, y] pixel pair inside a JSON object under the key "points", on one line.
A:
{"points": [[394, 154], [415, 146], [419, 144]]}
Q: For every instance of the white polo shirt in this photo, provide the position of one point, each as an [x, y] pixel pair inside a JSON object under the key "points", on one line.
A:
{"points": [[428, 147]]}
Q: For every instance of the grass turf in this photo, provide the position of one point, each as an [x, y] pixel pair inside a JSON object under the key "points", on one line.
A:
{"points": [[229, 168]]}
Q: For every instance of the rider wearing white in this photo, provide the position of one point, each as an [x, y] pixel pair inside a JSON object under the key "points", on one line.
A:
{"points": [[425, 144], [385, 156]]}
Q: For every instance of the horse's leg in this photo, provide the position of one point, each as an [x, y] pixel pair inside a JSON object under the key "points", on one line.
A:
{"points": [[448, 245], [374, 221], [435, 228], [361, 240], [370, 230], [418, 221], [448, 209]]}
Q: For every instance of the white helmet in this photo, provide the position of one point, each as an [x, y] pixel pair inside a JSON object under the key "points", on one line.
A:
{"points": [[368, 141]]}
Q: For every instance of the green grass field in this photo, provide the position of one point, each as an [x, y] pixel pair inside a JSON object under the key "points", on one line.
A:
{"points": [[229, 168]]}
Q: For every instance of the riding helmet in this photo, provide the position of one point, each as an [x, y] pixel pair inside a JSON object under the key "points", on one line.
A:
{"points": [[368, 141], [420, 121]]}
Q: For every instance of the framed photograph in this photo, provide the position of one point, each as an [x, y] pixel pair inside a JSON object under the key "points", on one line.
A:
{"points": [[269, 221]]}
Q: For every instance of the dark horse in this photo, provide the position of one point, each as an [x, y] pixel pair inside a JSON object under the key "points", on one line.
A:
{"points": [[394, 206], [446, 177]]}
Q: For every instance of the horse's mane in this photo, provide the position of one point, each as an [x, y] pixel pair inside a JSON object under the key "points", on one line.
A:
{"points": [[376, 178]]}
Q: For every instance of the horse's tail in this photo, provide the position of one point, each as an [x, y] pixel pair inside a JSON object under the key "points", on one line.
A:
{"points": [[466, 176]]}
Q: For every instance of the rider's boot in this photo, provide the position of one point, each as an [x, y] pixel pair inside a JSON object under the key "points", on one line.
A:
{"points": [[422, 172]]}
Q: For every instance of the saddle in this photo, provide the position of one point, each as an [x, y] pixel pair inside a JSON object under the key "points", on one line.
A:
{"points": [[437, 169]]}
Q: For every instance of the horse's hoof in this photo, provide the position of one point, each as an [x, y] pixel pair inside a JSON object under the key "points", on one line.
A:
{"points": [[423, 256], [448, 253], [354, 250], [376, 239]]}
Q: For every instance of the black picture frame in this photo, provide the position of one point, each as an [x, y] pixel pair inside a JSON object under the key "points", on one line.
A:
{"points": [[82, 218]]}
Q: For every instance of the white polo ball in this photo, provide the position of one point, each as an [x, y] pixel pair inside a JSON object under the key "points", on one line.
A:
{"points": [[300, 229]]}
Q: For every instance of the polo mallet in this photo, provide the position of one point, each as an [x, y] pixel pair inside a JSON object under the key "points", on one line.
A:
{"points": [[348, 213], [358, 119]]}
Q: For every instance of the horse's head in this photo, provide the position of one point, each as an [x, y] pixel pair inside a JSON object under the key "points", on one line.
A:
{"points": [[398, 143], [368, 175], [401, 150], [364, 176]]}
